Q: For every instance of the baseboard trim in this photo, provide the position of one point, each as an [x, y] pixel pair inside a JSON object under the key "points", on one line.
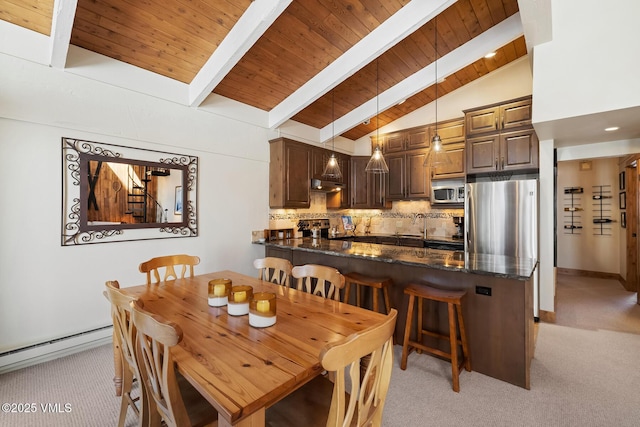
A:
{"points": [[547, 316], [33, 355], [587, 273]]}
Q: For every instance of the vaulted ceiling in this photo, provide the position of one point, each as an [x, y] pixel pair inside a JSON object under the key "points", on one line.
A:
{"points": [[329, 64]]}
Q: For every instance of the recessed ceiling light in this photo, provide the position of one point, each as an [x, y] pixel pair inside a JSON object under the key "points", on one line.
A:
{"points": [[490, 55], [612, 128]]}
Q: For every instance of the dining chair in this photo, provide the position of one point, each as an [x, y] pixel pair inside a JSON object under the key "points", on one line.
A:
{"points": [[319, 280], [169, 262], [175, 401], [272, 269], [124, 334], [354, 399]]}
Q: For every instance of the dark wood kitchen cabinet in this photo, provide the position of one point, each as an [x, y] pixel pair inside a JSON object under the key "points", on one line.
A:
{"points": [[403, 140], [341, 199], [408, 175], [500, 117], [500, 138], [450, 162], [510, 151], [367, 190], [289, 174]]}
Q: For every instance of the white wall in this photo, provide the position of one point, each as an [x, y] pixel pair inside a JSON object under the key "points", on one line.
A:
{"points": [[588, 67], [48, 291], [591, 248]]}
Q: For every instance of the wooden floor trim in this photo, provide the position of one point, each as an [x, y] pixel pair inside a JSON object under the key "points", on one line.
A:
{"points": [[587, 273]]}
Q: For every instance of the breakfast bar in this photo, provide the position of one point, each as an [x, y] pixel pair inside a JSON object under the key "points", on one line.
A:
{"points": [[498, 306]]}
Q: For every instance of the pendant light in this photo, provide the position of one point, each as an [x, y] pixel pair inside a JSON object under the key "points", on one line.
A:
{"points": [[377, 163], [436, 141], [433, 159], [332, 170]]}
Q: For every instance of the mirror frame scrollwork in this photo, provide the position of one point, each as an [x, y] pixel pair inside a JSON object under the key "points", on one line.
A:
{"points": [[76, 230]]}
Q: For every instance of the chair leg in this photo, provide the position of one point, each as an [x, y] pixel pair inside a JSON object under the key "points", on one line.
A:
{"points": [[347, 290], [407, 332], [385, 293], [463, 339], [375, 299], [127, 383], [420, 325], [453, 341]]}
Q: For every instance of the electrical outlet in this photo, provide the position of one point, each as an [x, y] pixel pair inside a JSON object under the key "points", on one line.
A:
{"points": [[483, 290]]}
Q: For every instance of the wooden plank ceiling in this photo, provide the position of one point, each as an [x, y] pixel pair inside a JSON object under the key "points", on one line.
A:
{"points": [[175, 38]]}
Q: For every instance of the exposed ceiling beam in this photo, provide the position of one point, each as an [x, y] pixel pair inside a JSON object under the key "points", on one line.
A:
{"points": [[393, 30], [249, 28], [492, 39], [64, 12]]}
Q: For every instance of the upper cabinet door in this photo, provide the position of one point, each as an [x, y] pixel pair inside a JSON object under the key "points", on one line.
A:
{"points": [[396, 180], [289, 174], [519, 150], [394, 142], [451, 131], [450, 162], [482, 121], [499, 117], [483, 154], [418, 138], [515, 114]]}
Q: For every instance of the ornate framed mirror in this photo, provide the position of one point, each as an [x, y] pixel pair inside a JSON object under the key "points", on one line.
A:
{"points": [[114, 193]]}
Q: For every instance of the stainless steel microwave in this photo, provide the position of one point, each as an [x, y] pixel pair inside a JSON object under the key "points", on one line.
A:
{"points": [[447, 193]]}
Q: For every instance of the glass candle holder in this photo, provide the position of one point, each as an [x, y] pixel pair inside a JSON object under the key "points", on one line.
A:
{"points": [[262, 309], [219, 290], [239, 300]]}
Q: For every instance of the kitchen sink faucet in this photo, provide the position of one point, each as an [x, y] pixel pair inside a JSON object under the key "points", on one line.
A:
{"points": [[424, 223]]}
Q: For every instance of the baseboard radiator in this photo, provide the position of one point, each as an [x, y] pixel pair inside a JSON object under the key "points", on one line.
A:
{"points": [[49, 350]]}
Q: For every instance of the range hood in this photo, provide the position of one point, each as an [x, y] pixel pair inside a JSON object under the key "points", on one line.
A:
{"points": [[325, 186]]}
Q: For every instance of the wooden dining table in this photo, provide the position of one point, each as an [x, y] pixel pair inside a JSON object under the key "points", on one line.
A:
{"points": [[242, 370]]}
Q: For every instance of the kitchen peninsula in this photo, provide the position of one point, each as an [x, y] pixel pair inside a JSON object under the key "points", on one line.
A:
{"points": [[498, 307]]}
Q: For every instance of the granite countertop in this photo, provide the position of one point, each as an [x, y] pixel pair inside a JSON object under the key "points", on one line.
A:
{"points": [[342, 236], [493, 265]]}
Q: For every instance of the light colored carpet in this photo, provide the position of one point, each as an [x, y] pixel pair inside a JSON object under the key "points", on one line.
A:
{"points": [[590, 303], [581, 375]]}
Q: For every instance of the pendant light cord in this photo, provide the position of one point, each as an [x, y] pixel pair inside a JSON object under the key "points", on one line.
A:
{"points": [[436, 61], [377, 102], [333, 120]]}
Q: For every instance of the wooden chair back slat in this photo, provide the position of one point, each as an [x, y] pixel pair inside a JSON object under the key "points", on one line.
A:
{"points": [[169, 262], [319, 280], [275, 270]]}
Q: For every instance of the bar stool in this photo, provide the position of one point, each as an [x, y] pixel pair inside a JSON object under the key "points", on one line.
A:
{"points": [[374, 283], [453, 299]]}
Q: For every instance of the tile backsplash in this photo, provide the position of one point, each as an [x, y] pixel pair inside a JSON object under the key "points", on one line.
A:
{"points": [[401, 218]]}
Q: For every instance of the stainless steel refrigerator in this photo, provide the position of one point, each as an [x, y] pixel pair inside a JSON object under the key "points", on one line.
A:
{"points": [[501, 218]]}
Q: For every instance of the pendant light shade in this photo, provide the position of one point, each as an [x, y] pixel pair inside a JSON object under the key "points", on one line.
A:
{"points": [[332, 169], [377, 164]]}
